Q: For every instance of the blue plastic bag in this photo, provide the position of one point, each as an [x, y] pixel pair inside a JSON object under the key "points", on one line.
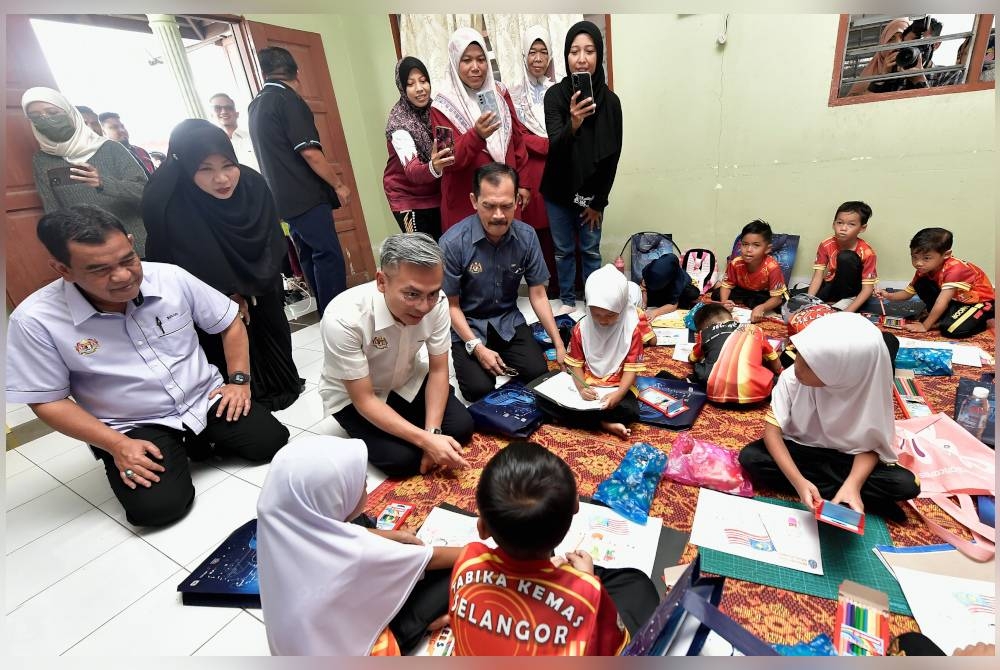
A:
{"points": [[630, 488], [926, 361], [821, 645]]}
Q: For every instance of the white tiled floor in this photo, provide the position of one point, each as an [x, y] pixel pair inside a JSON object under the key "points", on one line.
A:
{"points": [[80, 579]]}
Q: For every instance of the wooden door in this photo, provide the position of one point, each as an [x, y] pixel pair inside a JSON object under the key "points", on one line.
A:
{"points": [[27, 260], [317, 90]]}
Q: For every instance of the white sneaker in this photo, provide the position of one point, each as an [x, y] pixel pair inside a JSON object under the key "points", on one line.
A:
{"points": [[565, 309]]}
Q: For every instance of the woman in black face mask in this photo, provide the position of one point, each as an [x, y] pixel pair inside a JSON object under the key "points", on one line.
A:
{"points": [[77, 166]]}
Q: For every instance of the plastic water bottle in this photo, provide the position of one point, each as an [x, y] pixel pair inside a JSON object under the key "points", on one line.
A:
{"points": [[975, 412]]}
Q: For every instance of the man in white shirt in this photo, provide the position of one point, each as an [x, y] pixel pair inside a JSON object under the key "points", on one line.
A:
{"points": [[108, 354], [374, 381], [226, 117]]}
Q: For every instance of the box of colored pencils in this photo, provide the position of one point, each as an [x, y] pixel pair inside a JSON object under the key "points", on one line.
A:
{"points": [[909, 396], [658, 400], [862, 620]]}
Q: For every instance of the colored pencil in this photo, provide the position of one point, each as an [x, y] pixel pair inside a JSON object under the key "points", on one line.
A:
{"points": [[578, 377]]}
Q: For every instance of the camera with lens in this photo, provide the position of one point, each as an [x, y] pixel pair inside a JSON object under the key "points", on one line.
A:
{"points": [[909, 57]]}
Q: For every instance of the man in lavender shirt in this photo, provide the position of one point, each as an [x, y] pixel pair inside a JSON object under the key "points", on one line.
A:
{"points": [[118, 335]]}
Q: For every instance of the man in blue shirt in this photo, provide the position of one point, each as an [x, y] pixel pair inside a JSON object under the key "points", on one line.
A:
{"points": [[486, 255], [108, 354]]}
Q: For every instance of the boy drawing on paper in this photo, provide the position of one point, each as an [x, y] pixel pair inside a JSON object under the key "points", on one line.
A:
{"points": [[518, 599], [829, 431], [844, 271], [959, 296], [753, 278], [735, 362], [605, 350]]}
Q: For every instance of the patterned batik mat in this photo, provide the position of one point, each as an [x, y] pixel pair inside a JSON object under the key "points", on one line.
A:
{"points": [[774, 614]]}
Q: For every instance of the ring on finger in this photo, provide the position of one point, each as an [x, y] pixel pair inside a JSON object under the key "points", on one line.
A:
{"points": [[129, 473]]}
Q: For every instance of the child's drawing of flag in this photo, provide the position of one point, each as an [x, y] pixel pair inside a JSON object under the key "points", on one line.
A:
{"points": [[976, 603], [741, 537], [608, 524]]}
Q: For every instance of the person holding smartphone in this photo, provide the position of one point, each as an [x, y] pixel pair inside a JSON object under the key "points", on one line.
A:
{"points": [[537, 76], [479, 112], [417, 159], [584, 125], [76, 166]]}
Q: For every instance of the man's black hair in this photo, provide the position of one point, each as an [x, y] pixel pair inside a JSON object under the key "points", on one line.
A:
{"points": [[104, 116], [757, 227], [527, 497], [856, 207], [494, 173], [83, 109], [277, 63], [938, 240], [84, 224]]}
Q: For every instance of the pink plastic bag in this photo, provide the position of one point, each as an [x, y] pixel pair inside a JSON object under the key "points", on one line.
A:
{"points": [[948, 461], [699, 463]]}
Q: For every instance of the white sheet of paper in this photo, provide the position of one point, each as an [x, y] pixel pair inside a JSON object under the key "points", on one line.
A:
{"points": [[577, 315], [444, 528], [964, 354], [741, 314], [612, 540], [682, 352], [757, 530], [668, 337], [560, 389], [951, 611]]}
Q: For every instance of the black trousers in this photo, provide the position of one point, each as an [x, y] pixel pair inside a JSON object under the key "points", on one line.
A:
{"points": [[274, 379], [522, 352], [255, 437], [396, 458], [633, 593], [742, 296], [420, 221], [626, 412], [846, 282], [427, 601], [827, 469], [959, 319]]}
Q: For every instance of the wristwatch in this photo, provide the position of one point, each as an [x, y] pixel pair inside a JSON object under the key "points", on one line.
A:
{"points": [[471, 345], [435, 431], [239, 378]]}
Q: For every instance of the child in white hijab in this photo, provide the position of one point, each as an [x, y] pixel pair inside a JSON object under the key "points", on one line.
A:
{"points": [[830, 430], [606, 349], [329, 587]]}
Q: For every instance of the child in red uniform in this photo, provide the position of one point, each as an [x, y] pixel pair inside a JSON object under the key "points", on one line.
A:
{"points": [[845, 271], [959, 296], [735, 362], [606, 350], [753, 278], [518, 599]]}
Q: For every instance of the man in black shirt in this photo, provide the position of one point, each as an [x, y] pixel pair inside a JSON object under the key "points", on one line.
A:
{"points": [[306, 187]]}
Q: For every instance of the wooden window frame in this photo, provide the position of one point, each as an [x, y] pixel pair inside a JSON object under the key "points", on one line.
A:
{"points": [[394, 27], [982, 36]]}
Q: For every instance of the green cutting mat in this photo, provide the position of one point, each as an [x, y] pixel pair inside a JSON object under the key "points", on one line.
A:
{"points": [[846, 555]]}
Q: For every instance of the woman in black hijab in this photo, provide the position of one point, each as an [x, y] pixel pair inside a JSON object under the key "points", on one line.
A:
{"points": [[217, 219], [585, 142]]}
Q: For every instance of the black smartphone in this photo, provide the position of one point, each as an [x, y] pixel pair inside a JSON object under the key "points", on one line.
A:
{"points": [[60, 176], [488, 103], [582, 83], [445, 137]]}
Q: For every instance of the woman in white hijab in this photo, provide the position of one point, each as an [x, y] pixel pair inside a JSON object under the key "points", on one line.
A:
{"points": [[606, 351], [77, 166], [329, 587], [481, 136], [829, 434], [528, 95]]}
